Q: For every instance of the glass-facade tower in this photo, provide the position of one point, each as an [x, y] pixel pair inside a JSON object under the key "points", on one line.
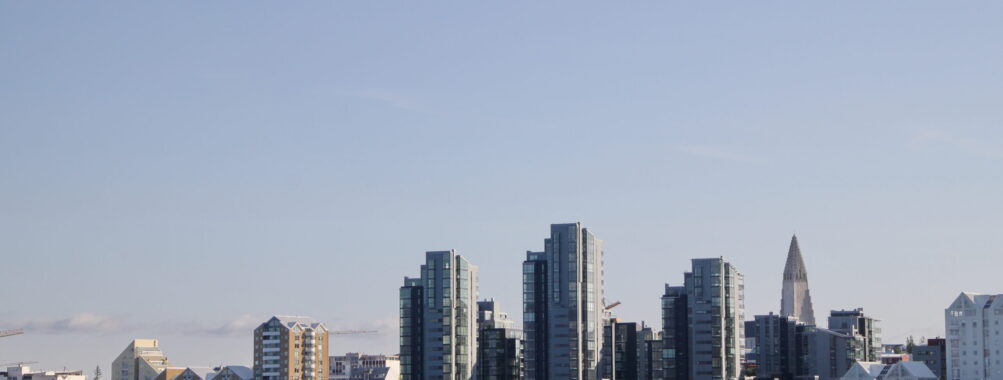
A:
{"points": [[563, 305], [439, 319]]}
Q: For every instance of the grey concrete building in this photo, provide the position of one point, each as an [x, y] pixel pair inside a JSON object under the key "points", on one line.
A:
{"points": [[438, 334], [795, 299], [714, 294], [499, 344], [563, 305], [856, 323], [934, 355], [831, 354]]}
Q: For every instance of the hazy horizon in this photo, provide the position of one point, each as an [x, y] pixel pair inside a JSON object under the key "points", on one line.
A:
{"points": [[166, 166]]}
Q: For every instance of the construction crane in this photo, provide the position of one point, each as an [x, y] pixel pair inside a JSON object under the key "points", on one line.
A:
{"points": [[612, 305], [6, 333], [353, 332]]}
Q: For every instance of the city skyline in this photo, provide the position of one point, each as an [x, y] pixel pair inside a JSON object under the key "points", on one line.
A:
{"points": [[163, 163]]}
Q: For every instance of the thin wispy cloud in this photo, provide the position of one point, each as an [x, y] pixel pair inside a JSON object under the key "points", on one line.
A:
{"points": [[83, 323], [940, 138], [717, 153]]}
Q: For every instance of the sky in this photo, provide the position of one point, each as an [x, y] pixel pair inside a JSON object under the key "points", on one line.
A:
{"points": [[185, 170]]}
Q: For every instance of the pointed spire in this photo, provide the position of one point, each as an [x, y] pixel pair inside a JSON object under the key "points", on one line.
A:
{"points": [[795, 299], [795, 268]]}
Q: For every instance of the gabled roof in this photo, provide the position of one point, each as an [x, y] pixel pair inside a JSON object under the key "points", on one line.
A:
{"points": [[917, 369], [298, 322]]}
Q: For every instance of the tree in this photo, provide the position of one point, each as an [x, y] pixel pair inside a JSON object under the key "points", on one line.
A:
{"points": [[909, 344], [97, 373]]}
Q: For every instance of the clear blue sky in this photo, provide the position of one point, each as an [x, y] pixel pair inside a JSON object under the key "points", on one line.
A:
{"points": [[183, 170]]}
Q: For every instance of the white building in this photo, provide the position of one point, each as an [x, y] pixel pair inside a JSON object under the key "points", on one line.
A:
{"points": [[141, 360], [974, 339], [355, 366], [898, 371], [24, 373]]}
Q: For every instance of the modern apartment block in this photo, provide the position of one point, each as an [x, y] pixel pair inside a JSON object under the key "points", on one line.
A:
{"points": [[621, 351], [650, 361], [974, 325], [856, 323], [563, 305], [499, 344], [291, 348], [675, 334], [712, 326], [830, 353], [781, 351], [356, 366], [934, 355], [141, 360], [438, 335]]}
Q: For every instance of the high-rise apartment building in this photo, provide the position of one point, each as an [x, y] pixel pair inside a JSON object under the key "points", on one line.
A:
{"points": [[356, 366], [438, 334], [621, 351], [974, 325], [795, 300], [856, 323], [291, 348], [650, 361], [141, 360], [714, 301], [499, 344], [780, 349], [675, 333], [563, 305]]}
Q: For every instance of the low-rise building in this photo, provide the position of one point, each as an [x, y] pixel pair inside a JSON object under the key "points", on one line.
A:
{"points": [[934, 355], [141, 360], [903, 370], [24, 373], [356, 366]]}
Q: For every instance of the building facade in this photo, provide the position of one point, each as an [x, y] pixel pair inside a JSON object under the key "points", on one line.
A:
{"points": [[781, 350], [857, 324], [675, 333], [22, 372], [621, 351], [356, 366], [443, 318], [141, 360], [830, 353], [974, 324], [650, 361], [291, 348], [934, 355], [499, 344], [714, 317], [795, 299], [563, 305]]}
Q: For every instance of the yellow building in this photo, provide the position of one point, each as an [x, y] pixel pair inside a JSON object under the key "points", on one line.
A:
{"points": [[291, 348]]}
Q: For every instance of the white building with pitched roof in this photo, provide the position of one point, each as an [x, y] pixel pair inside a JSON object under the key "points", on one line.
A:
{"points": [[975, 337]]}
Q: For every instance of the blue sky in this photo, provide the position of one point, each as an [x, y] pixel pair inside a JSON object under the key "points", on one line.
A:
{"points": [[166, 166]]}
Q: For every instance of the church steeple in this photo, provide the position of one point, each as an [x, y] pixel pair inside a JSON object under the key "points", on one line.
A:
{"points": [[795, 300]]}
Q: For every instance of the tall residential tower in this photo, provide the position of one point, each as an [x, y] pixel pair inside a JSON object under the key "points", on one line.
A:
{"points": [[796, 300], [563, 306], [438, 328]]}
